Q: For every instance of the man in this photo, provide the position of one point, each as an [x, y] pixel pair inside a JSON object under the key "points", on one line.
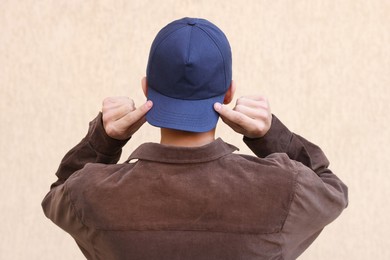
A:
{"points": [[191, 197]]}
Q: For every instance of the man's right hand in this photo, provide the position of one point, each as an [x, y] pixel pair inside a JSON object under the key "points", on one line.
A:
{"points": [[251, 116], [121, 119]]}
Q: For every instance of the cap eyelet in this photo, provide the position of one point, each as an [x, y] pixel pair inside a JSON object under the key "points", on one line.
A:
{"points": [[191, 22]]}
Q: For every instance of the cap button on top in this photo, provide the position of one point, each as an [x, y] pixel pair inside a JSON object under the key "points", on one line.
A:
{"points": [[191, 22]]}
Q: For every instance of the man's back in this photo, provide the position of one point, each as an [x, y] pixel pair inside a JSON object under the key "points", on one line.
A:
{"points": [[197, 203]]}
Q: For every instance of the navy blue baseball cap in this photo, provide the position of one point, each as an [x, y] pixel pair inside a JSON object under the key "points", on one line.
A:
{"points": [[189, 69]]}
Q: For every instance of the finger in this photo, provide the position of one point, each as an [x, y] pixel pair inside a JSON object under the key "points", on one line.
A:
{"points": [[134, 120], [137, 125], [238, 128], [112, 102], [116, 113], [233, 117], [252, 102], [251, 112], [119, 105], [138, 113], [255, 98]]}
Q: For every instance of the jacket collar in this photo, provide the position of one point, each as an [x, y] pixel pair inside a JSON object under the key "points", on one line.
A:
{"points": [[173, 154]]}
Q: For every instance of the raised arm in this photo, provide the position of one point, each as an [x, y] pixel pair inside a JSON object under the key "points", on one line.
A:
{"points": [[106, 136], [320, 196]]}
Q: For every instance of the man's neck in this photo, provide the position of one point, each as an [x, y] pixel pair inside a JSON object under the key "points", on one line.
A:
{"points": [[186, 139]]}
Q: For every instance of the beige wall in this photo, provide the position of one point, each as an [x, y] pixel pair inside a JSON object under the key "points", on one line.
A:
{"points": [[324, 64]]}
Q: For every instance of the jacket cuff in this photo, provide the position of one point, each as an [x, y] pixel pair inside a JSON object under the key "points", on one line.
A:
{"points": [[100, 141], [276, 140]]}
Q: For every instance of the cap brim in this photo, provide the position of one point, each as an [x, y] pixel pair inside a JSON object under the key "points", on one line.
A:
{"points": [[186, 115]]}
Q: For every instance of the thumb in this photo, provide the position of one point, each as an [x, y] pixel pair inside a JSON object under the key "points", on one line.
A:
{"points": [[139, 113], [237, 121], [225, 112], [145, 107], [137, 118], [218, 108]]}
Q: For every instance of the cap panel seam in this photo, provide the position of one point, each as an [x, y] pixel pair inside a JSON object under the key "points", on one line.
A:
{"points": [[220, 52], [188, 47]]}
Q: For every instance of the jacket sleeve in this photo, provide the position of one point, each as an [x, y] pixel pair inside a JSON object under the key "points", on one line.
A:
{"points": [[320, 196], [95, 147]]}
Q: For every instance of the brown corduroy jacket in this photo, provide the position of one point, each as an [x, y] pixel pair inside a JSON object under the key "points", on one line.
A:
{"points": [[195, 203]]}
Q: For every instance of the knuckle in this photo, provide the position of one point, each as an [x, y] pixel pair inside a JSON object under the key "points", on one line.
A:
{"points": [[106, 117], [105, 104], [262, 114], [131, 108], [241, 100], [107, 100], [110, 130], [260, 128], [255, 129], [259, 98], [263, 104], [238, 108]]}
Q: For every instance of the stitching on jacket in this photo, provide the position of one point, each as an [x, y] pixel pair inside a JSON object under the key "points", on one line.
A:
{"points": [[295, 185], [67, 193]]}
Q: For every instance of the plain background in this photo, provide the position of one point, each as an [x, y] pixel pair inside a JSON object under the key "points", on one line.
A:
{"points": [[324, 65]]}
